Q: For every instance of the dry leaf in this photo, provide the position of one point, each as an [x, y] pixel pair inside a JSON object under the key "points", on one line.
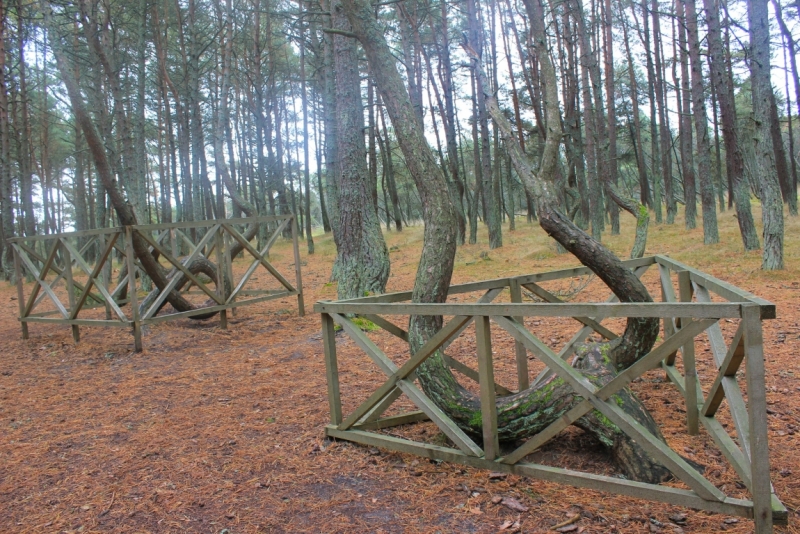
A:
{"points": [[513, 504]]}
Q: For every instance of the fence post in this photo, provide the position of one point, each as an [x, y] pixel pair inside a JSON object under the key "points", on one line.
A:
{"points": [[76, 333], [523, 381], [20, 291], [757, 415], [491, 446], [223, 314], [687, 352], [331, 368], [134, 300], [105, 271], [300, 306]]}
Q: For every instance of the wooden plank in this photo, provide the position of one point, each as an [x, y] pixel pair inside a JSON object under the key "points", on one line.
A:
{"points": [[106, 272], [92, 273], [668, 295], [162, 294], [564, 353], [58, 271], [520, 352], [757, 415], [301, 309], [659, 450], [76, 333], [689, 366], [256, 261], [82, 233], [641, 490], [621, 380], [404, 371], [388, 326], [253, 252], [78, 322], [487, 297], [395, 420], [596, 310], [483, 341], [552, 430], [331, 369], [567, 349], [378, 410], [577, 381], [20, 289], [549, 297], [136, 321], [41, 282], [187, 225], [736, 403], [220, 282], [723, 289], [728, 448], [581, 271], [472, 374], [181, 265], [727, 370], [209, 309], [397, 378]]}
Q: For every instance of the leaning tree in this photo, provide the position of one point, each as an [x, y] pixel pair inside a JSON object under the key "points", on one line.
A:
{"points": [[100, 58], [529, 411]]}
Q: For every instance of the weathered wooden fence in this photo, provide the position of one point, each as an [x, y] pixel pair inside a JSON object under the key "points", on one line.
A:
{"points": [[685, 315], [83, 296]]}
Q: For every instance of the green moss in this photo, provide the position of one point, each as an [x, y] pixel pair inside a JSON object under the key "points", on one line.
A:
{"points": [[365, 325], [476, 421], [642, 211], [606, 422]]}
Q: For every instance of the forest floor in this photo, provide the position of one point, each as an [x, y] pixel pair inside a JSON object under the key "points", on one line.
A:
{"points": [[221, 431]]}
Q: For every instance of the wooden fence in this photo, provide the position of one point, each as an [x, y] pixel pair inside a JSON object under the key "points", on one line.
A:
{"points": [[685, 314], [52, 259]]}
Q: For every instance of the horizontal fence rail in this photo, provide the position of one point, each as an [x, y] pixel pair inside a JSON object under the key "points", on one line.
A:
{"points": [[52, 261], [694, 310]]}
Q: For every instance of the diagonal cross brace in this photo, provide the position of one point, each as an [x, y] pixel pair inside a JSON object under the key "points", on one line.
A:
{"points": [[659, 450], [174, 281], [253, 252], [399, 377], [261, 256], [40, 280], [93, 274]]}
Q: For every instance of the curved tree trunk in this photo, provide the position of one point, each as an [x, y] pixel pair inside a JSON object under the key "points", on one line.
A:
{"points": [[531, 410], [123, 208]]}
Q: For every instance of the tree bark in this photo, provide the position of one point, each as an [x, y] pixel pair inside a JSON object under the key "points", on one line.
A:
{"points": [[771, 205], [363, 262], [710, 229], [733, 154]]}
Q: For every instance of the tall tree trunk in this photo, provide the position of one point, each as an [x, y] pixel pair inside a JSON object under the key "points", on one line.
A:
{"points": [[6, 189], [710, 230], [664, 135], [439, 215], [644, 184], [687, 155], [491, 199], [771, 205], [306, 160], [24, 132], [363, 257], [733, 154]]}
